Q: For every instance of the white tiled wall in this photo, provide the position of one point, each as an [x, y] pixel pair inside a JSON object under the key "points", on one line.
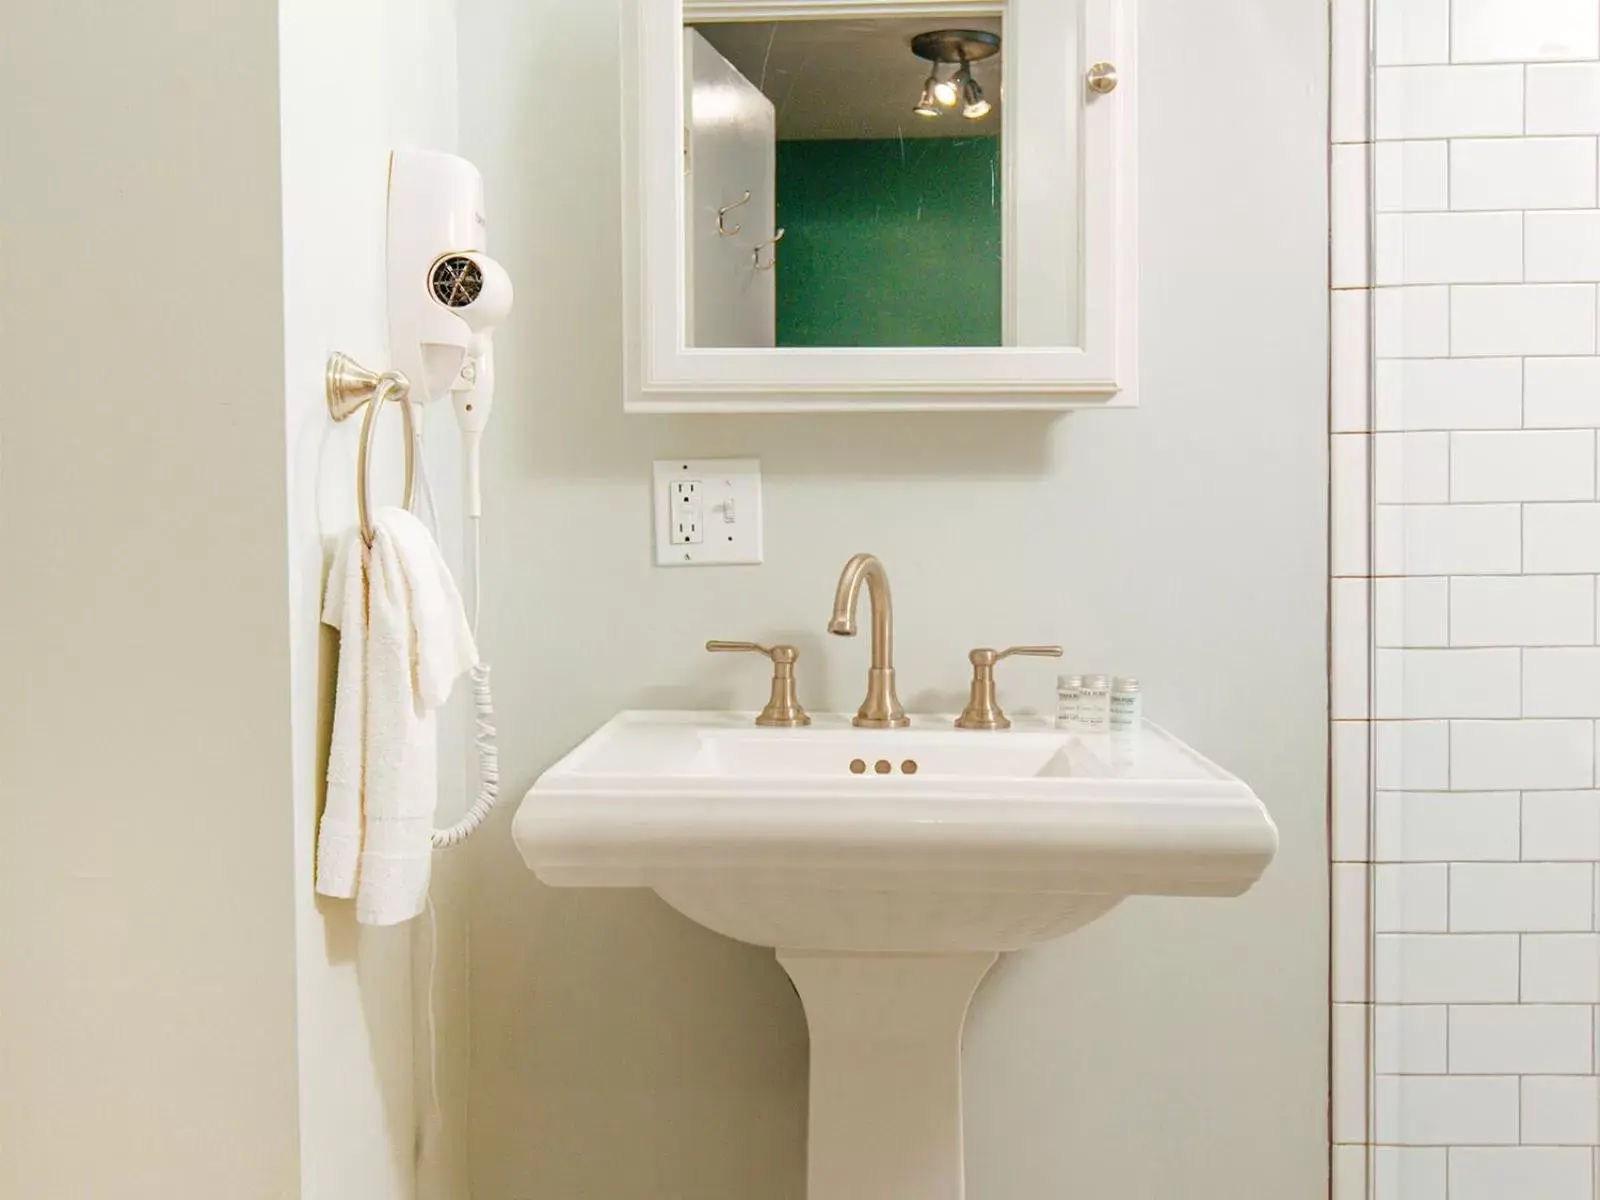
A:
{"points": [[1466, 599]]}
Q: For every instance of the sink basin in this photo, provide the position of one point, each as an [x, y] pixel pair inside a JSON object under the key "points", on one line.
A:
{"points": [[888, 868], [996, 841]]}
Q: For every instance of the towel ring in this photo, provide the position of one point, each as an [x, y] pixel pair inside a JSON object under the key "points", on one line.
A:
{"points": [[351, 386]]}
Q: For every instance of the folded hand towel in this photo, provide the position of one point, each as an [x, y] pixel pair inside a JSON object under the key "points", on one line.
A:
{"points": [[403, 642]]}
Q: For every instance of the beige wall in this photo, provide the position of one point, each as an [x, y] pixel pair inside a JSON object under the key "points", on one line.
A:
{"points": [[179, 1015], [1175, 1048], [147, 992]]}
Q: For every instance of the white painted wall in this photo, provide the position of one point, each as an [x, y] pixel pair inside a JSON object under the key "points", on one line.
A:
{"points": [[357, 78], [147, 993], [1175, 1048]]}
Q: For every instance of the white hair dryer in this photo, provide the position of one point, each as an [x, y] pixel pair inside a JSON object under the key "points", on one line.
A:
{"points": [[446, 295]]}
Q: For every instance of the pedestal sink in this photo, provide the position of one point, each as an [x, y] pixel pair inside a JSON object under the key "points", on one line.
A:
{"points": [[888, 868]]}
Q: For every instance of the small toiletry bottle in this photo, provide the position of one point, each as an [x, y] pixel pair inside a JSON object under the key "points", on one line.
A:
{"points": [[1067, 689], [1094, 704], [1126, 705]]}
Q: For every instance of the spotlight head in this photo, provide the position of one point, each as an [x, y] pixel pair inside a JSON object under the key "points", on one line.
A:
{"points": [[928, 106], [975, 107], [947, 92]]}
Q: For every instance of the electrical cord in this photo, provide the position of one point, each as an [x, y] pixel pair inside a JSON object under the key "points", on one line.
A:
{"points": [[483, 739]]}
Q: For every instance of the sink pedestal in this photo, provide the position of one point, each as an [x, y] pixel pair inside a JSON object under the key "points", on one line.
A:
{"points": [[885, 1071]]}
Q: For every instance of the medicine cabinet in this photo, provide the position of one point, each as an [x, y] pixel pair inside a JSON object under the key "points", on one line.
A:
{"points": [[865, 205]]}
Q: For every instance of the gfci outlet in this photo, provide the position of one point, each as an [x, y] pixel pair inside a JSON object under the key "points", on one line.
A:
{"points": [[707, 511]]}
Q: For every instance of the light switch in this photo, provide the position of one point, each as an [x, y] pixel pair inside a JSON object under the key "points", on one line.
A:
{"points": [[707, 511]]}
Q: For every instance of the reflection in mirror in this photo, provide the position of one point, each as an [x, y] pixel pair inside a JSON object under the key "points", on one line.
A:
{"points": [[844, 183]]}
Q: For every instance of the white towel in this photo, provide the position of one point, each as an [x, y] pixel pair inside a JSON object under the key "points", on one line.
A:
{"points": [[403, 642]]}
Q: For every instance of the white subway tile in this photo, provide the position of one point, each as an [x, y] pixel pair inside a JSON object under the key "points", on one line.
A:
{"points": [[1523, 30], [1521, 898], [1411, 31], [1563, 246], [1350, 348], [1452, 247], [1522, 610], [1447, 539], [1561, 825], [1411, 176], [1350, 202], [1560, 1110], [1347, 685], [1561, 538], [1407, 1173], [1445, 102], [1348, 1066], [1411, 322], [1427, 684], [1349, 891], [1409, 1039], [1521, 465], [1411, 898], [1521, 1173], [1562, 393], [1520, 173], [1347, 459], [1449, 393], [1445, 826], [1561, 682], [1350, 74], [1561, 968], [1502, 755], [1414, 468], [1412, 755], [1524, 319], [1444, 968], [1412, 612], [1564, 98], [1521, 1039], [1350, 748], [1435, 1110]]}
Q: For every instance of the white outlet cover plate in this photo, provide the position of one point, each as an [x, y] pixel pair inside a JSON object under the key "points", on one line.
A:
{"points": [[724, 482]]}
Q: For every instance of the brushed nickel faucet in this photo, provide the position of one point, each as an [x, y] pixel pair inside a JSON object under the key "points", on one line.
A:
{"points": [[881, 709]]}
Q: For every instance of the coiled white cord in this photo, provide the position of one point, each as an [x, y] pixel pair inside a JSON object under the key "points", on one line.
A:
{"points": [[488, 765], [483, 738]]}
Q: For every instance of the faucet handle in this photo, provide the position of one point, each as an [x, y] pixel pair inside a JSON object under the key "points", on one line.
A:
{"points": [[983, 710], [778, 654], [783, 709], [983, 656]]}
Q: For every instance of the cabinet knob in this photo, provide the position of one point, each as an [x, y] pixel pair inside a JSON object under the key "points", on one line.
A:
{"points": [[1102, 78]]}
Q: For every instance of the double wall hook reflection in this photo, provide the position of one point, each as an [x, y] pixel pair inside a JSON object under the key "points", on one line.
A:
{"points": [[723, 228], [772, 261]]}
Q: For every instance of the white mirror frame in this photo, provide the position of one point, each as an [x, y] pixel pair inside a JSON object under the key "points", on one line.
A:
{"points": [[665, 375]]}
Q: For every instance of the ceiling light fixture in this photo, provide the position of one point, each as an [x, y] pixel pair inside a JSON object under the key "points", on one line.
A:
{"points": [[962, 47]]}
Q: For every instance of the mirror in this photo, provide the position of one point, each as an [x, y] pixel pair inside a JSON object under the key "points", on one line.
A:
{"points": [[874, 204], [845, 183]]}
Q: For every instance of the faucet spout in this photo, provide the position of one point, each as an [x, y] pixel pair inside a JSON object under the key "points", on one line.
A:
{"points": [[881, 709]]}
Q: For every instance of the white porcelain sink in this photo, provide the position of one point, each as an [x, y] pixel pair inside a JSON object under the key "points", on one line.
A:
{"points": [[997, 841], [888, 867]]}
